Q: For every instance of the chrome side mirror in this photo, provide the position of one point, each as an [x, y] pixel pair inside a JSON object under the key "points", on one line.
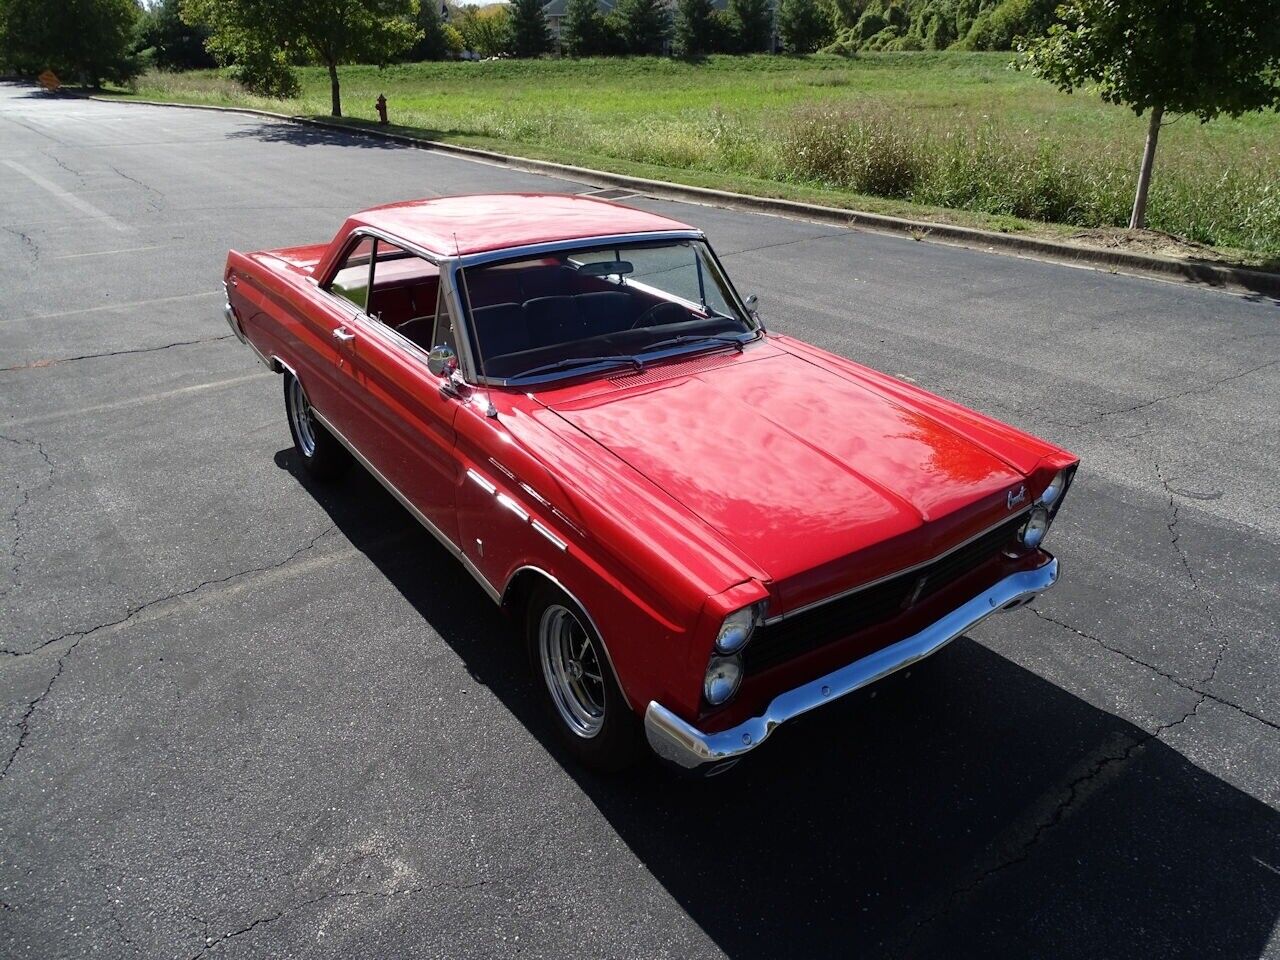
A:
{"points": [[753, 306], [442, 361]]}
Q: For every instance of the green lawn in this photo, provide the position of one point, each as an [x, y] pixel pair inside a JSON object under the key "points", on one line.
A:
{"points": [[956, 136]]}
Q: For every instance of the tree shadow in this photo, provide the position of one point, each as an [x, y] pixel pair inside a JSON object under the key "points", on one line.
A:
{"points": [[971, 809], [353, 133]]}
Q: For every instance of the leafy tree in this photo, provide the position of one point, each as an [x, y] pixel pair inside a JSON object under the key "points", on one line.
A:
{"points": [[804, 25], [1175, 56], [82, 41], [486, 31], [173, 43], [582, 31], [331, 32], [529, 34], [752, 24], [695, 27], [434, 42], [645, 25]]}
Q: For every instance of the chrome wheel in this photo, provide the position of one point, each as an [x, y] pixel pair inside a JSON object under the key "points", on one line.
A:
{"points": [[300, 418], [572, 669]]}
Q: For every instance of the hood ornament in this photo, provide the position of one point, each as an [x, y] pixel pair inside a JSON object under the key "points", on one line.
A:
{"points": [[1016, 497]]}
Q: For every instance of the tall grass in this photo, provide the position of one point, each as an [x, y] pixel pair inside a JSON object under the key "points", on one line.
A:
{"points": [[987, 170]]}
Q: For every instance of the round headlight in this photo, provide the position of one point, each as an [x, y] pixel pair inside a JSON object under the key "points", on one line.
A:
{"points": [[1033, 531], [736, 630], [1054, 490], [723, 676]]}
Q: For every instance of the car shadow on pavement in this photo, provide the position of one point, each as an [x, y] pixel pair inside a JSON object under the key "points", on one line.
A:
{"points": [[970, 809]]}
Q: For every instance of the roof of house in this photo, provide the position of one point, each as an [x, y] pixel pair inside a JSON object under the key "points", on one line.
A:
{"points": [[558, 8], [497, 221]]}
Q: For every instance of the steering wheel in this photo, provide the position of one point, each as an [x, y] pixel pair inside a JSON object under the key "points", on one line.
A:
{"points": [[646, 319]]}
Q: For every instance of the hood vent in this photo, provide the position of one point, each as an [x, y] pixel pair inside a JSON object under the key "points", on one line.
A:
{"points": [[667, 371]]}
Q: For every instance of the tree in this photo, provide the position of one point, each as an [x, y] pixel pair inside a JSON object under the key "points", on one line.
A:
{"points": [[1163, 56], [331, 32], [434, 42], [529, 34], [174, 43], [645, 25], [486, 31], [695, 27], [804, 25], [83, 41], [752, 24], [582, 31]]}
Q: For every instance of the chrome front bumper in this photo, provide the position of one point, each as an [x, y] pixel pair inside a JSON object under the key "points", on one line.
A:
{"points": [[686, 746]]}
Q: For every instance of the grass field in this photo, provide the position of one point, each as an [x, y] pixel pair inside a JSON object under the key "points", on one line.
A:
{"points": [[955, 136]]}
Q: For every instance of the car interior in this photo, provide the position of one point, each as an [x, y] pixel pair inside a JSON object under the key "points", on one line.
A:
{"points": [[531, 313]]}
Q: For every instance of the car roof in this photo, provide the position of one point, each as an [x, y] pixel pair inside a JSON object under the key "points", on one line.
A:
{"points": [[458, 226]]}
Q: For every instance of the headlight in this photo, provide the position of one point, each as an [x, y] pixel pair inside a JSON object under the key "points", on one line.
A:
{"points": [[723, 676], [1033, 531], [736, 630], [1054, 490]]}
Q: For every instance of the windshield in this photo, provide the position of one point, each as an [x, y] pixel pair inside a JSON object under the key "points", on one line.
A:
{"points": [[562, 313]]}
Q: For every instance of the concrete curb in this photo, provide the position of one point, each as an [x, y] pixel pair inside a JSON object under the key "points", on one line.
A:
{"points": [[1238, 279]]}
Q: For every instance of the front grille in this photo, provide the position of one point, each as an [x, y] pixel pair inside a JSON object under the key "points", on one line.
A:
{"points": [[844, 617]]}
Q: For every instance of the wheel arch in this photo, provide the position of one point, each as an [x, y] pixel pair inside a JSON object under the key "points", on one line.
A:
{"points": [[515, 599]]}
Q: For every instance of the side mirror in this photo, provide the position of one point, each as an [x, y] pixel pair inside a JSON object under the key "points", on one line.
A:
{"points": [[753, 306], [442, 361]]}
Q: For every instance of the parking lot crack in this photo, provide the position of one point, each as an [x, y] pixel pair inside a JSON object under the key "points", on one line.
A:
{"points": [[24, 500], [1190, 686], [1104, 766], [37, 364], [79, 636], [27, 240], [211, 942], [1190, 391], [154, 197]]}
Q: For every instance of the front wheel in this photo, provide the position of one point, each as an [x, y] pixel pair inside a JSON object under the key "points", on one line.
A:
{"points": [[321, 452], [580, 689]]}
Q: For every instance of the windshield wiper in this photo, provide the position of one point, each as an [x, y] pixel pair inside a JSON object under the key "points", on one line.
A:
{"points": [[579, 362], [695, 338]]}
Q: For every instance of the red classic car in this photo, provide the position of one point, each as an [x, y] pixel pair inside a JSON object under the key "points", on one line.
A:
{"points": [[705, 528]]}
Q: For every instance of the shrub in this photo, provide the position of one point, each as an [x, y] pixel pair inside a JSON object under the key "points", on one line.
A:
{"points": [[266, 76], [804, 25], [865, 153]]}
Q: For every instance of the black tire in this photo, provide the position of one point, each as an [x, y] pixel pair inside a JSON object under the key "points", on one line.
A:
{"points": [[323, 455], [609, 743]]}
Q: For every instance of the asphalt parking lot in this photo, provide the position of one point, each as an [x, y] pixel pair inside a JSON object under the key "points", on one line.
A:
{"points": [[246, 715]]}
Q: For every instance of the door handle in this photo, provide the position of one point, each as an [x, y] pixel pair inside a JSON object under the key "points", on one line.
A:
{"points": [[343, 334]]}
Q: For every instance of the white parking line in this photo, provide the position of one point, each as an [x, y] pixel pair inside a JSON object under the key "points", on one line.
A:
{"points": [[70, 199], [138, 401], [107, 253], [111, 306]]}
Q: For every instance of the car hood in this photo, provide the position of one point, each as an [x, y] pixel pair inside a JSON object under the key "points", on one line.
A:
{"points": [[817, 475]]}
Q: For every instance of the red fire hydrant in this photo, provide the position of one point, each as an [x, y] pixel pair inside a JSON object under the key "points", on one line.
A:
{"points": [[382, 109]]}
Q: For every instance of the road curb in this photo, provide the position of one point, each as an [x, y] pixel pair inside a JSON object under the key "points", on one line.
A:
{"points": [[1238, 279]]}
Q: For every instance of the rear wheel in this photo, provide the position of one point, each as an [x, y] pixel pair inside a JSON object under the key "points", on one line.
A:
{"points": [[321, 453], [581, 692]]}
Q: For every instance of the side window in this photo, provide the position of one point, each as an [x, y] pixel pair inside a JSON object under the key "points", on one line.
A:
{"points": [[404, 292], [351, 282]]}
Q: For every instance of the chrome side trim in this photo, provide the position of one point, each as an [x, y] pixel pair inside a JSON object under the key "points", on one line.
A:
{"points": [[233, 321], [568, 593], [418, 515], [556, 541], [483, 483], [514, 507], [686, 746], [889, 576]]}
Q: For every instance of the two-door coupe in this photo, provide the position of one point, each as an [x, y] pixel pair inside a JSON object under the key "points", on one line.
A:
{"points": [[704, 528]]}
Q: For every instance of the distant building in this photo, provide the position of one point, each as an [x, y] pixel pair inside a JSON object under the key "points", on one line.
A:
{"points": [[554, 12]]}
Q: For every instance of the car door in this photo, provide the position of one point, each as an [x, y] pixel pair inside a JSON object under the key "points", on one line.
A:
{"points": [[406, 421], [327, 366]]}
